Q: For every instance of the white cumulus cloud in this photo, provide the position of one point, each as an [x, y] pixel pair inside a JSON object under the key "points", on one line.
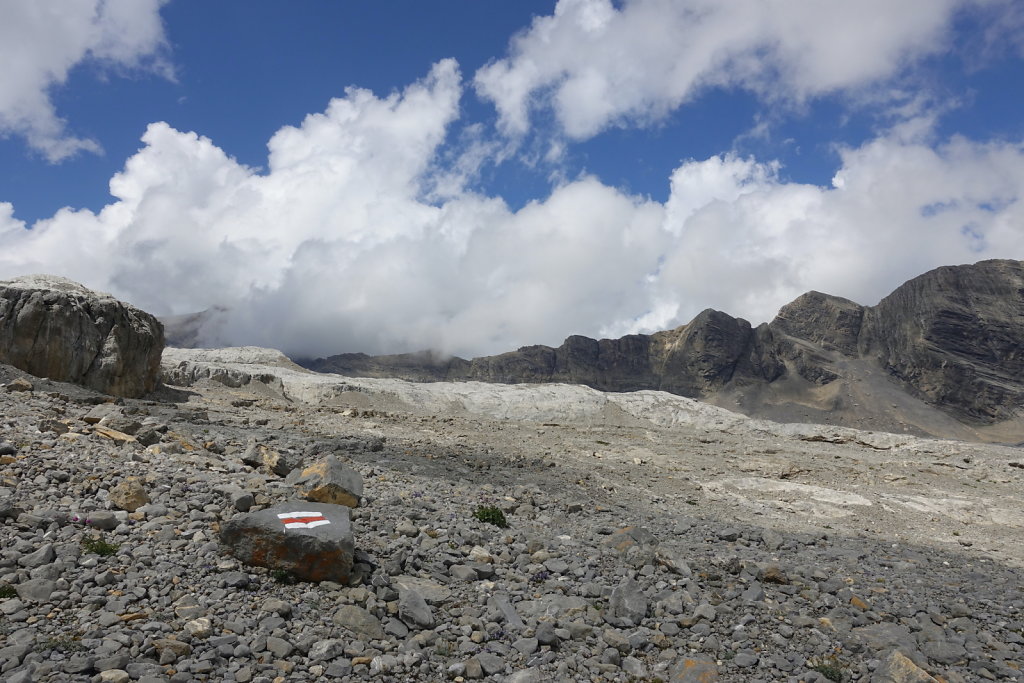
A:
{"points": [[597, 65], [41, 41], [345, 244]]}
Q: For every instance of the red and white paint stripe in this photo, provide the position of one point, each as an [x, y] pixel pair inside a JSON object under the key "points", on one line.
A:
{"points": [[302, 520]]}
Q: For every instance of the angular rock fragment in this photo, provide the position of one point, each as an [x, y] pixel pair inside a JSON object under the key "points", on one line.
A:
{"points": [[20, 384], [694, 670], [112, 434], [129, 495], [897, 668], [313, 541], [359, 621], [413, 609], [628, 603], [331, 481]]}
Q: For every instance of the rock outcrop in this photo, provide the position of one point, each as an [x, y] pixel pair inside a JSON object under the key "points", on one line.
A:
{"points": [[955, 337], [53, 327], [951, 340]]}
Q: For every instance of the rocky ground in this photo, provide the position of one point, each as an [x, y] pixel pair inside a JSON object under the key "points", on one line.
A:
{"points": [[649, 538]]}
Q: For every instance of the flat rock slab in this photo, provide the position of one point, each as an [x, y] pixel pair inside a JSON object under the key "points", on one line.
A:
{"points": [[313, 541]]}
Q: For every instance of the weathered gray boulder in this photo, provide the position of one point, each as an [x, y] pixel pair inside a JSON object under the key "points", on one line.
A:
{"points": [[330, 481], [53, 327], [313, 541]]}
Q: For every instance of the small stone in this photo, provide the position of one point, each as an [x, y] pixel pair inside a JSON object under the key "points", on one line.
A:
{"points": [[19, 384], [129, 495], [114, 435], [99, 519], [199, 628], [115, 676], [462, 573], [278, 607], [772, 539], [746, 659], [171, 650], [527, 676], [36, 590], [281, 464], [694, 670], [628, 603], [359, 621], [897, 668], [279, 647], [526, 645], [44, 555], [490, 663], [407, 528], [706, 612], [413, 609], [326, 650]]}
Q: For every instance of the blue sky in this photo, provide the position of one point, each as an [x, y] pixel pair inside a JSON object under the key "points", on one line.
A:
{"points": [[475, 176]]}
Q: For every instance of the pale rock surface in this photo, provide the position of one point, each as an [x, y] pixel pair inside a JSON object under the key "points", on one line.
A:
{"points": [[56, 328]]}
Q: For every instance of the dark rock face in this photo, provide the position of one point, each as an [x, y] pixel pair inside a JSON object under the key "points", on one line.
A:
{"points": [[831, 322], [708, 353], [53, 327], [953, 338]]}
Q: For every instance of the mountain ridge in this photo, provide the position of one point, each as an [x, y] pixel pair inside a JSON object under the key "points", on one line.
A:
{"points": [[951, 339]]}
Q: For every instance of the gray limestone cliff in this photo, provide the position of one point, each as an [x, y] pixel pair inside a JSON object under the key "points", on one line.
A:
{"points": [[53, 327]]}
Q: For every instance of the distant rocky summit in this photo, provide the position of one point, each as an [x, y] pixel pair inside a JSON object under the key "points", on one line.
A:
{"points": [[56, 328], [943, 355]]}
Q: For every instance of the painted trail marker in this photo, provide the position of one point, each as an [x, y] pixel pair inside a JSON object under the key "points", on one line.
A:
{"points": [[302, 520]]}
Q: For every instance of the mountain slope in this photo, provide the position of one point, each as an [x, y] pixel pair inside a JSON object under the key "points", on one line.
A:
{"points": [[943, 354]]}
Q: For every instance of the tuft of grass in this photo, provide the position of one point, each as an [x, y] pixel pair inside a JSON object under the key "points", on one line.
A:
{"points": [[283, 576], [830, 667], [491, 515], [99, 546], [7, 591]]}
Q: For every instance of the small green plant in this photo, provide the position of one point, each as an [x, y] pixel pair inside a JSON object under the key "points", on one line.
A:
{"points": [[283, 576], [7, 591], [99, 546], [64, 644], [491, 515], [830, 667]]}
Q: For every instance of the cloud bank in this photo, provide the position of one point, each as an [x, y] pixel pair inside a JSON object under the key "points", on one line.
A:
{"points": [[363, 233], [344, 244], [41, 41], [595, 65]]}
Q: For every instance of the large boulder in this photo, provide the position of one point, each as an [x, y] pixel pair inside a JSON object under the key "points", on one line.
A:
{"points": [[53, 327], [313, 541]]}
